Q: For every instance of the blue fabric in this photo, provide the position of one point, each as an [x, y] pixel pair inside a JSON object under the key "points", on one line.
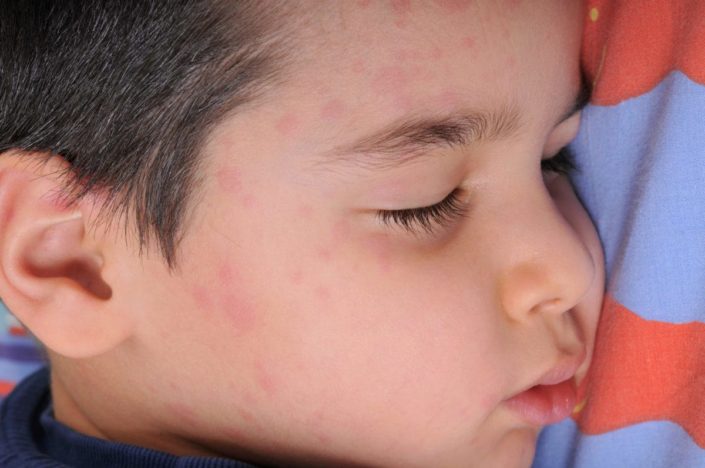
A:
{"points": [[30, 437], [20, 355], [642, 178]]}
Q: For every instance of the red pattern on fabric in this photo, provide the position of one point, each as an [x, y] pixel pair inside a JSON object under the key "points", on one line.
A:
{"points": [[6, 387], [630, 46], [644, 370]]}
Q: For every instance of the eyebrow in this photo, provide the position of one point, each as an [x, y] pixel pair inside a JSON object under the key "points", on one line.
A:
{"points": [[409, 140]]}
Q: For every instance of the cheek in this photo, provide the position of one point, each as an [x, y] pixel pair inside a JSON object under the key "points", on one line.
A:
{"points": [[223, 298]]}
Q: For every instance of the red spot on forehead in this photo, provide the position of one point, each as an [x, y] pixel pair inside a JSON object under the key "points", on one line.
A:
{"points": [[287, 124], [363, 3], [333, 109], [409, 55], [447, 99], [389, 79], [454, 6], [229, 179]]}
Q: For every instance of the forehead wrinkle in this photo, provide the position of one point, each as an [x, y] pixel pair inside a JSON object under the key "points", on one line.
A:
{"points": [[409, 140]]}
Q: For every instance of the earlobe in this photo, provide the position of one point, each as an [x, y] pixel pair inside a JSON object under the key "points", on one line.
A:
{"points": [[51, 264]]}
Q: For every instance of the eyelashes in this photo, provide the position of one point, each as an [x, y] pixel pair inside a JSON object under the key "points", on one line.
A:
{"points": [[562, 163], [429, 219]]}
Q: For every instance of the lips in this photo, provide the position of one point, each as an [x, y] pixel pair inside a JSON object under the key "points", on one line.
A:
{"points": [[552, 398]]}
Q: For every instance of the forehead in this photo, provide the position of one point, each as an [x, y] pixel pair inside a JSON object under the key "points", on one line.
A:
{"points": [[360, 66], [371, 62], [400, 49]]}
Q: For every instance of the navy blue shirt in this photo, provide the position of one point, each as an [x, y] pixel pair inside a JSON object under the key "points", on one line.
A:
{"points": [[30, 437]]}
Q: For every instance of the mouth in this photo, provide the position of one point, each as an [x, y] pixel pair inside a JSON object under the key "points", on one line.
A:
{"points": [[552, 398]]}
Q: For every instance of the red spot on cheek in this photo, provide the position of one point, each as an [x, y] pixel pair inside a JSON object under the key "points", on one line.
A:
{"points": [[305, 211], [265, 380], [514, 4], [8, 215], [226, 274], [230, 181], [234, 434], [324, 253], [405, 55], [315, 423], [454, 6], [233, 300], [379, 247], [202, 298], [341, 231], [363, 3], [435, 54], [333, 109], [242, 312], [247, 416], [184, 413], [323, 293], [248, 201], [297, 277], [288, 124], [358, 67], [402, 9], [468, 42]]}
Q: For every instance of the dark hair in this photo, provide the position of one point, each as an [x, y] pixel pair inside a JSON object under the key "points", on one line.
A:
{"points": [[126, 92]]}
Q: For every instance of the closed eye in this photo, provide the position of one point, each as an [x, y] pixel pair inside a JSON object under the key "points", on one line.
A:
{"points": [[428, 218]]}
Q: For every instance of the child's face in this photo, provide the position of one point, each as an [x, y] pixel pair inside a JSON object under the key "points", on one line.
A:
{"points": [[304, 324]]}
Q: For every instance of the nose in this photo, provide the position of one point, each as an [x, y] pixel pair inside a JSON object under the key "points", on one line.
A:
{"points": [[547, 266]]}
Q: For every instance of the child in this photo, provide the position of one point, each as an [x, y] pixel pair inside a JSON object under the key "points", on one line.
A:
{"points": [[292, 234]]}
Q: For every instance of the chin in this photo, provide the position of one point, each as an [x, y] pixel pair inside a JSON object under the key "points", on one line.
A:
{"points": [[515, 450]]}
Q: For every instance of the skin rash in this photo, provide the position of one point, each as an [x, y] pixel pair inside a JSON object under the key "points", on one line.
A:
{"points": [[305, 325]]}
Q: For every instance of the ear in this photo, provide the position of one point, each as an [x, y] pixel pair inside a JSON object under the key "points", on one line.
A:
{"points": [[51, 263]]}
